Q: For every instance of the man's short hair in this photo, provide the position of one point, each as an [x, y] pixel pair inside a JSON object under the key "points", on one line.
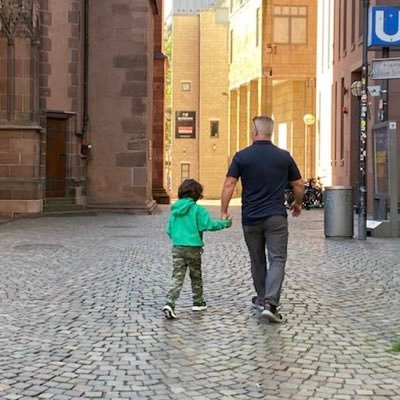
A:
{"points": [[264, 125]]}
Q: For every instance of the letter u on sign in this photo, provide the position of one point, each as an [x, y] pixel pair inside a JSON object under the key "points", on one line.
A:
{"points": [[384, 27]]}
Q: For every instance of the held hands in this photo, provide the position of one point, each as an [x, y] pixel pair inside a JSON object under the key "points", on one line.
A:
{"points": [[228, 217]]}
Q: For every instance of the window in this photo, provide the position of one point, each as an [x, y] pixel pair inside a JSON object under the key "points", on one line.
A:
{"points": [[344, 16], [290, 24], [353, 19], [231, 47], [282, 136], [186, 86], [360, 20], [258, 20], [342, 121], [214, 129], [185, 171]]}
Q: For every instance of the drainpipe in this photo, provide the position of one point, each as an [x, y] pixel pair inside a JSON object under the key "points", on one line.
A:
{"points": [[85, 116]]}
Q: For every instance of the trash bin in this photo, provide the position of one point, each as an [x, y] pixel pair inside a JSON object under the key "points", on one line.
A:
{"points": [[338, 212]]}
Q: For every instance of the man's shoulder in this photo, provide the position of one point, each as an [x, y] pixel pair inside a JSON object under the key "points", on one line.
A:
{"points": [[243, 152]]}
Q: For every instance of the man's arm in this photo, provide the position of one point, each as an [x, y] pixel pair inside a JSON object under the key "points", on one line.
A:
{"points": [[226, 195], [298, 191]]}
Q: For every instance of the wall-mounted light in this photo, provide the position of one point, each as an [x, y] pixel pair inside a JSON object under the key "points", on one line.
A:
{"points": [[356, 88]]}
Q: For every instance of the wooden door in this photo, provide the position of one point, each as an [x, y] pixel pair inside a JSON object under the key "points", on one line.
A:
{"points": [[56, 157]]}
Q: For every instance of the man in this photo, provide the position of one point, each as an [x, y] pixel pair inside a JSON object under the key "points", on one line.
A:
{"points": [[264, 170]]}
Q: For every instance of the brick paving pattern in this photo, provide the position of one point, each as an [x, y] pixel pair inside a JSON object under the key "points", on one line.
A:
{"points": [[80, 315]]}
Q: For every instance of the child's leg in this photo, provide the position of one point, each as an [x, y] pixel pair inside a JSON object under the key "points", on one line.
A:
{"points": [[178, 274], [193, 257]]}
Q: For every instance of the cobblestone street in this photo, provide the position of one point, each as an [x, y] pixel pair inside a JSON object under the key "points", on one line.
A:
{"points": [[80, 315]]}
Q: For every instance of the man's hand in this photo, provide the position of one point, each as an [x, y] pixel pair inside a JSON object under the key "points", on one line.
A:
{"points": [[226, 215], [296, 209], [226, 195], [229, 218], [298, 191]]}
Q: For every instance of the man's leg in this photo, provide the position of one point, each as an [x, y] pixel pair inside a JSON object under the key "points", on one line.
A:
{"points": [[276, 236], [255, 240], [178, 274]]}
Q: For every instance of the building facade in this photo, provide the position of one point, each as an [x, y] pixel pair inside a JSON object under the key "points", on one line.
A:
{"points": [[323, 126], [347, 65], [272, 71], [199, 116], [77, 104]]}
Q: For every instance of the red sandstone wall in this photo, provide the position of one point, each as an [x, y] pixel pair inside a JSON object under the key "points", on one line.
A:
{"points": [[120, 102]]}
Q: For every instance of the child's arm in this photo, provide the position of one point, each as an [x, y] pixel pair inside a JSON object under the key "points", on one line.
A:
{"points": [[206, 223]]}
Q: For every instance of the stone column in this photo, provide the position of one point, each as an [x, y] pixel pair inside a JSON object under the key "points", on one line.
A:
{"points": [[21, 185], [121, 56], [243, 115], [159, 193]]}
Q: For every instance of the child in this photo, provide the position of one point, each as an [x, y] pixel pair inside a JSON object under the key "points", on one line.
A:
{"points": [[186, 224]]}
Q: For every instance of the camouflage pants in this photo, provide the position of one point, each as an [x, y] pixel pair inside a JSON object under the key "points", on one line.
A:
{"points": [[182, 258]]}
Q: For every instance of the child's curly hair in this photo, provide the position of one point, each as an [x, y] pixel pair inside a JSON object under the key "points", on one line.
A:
{"points": [[190, 188]]}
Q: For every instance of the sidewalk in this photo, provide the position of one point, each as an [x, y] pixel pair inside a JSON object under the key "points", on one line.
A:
{"points": [[80, 315]]}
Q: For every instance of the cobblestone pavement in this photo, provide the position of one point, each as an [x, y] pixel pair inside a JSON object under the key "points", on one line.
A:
{"points": [[80, 315]]}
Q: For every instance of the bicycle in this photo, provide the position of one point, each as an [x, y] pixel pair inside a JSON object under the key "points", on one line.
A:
{"points": [[313, 194]]}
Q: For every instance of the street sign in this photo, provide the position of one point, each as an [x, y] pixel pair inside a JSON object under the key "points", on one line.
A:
{"points": [[384, 27], [385, 68]]}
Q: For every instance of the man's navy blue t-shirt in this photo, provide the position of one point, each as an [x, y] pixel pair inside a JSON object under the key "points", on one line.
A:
{"points": [[264, 170]]}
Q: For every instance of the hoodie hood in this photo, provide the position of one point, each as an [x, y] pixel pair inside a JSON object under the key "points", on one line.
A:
{"points": [[182, 206]]}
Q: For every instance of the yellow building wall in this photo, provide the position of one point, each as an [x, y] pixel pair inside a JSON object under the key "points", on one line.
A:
{"points": [[245, 48], [214, 69], [277, 81], [290, 99], [185, 68], [290, 61], [200, 57]]}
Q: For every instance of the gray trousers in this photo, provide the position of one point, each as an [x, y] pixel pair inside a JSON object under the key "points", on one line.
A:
{"points": [[272, 235]]}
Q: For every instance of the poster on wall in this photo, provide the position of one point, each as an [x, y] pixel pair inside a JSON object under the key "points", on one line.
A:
{"points": [[185, 124], [381, 160]]}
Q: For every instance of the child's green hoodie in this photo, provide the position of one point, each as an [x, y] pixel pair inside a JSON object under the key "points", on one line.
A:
{"points": [[187, 222]]}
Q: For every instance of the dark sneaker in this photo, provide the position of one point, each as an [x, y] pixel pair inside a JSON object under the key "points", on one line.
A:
{"points": [[271, 314], [169, 311], [199, 306], [256, 304]]}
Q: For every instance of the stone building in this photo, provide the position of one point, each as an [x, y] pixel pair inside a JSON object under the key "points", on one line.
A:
{"points": [[272, 71], [199, 65], [81, 100], [347, 65]]}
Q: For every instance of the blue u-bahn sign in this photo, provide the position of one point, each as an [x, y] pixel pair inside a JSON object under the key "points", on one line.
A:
{"points": [[384, 27]]}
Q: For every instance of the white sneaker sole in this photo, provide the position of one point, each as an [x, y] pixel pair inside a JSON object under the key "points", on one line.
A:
{"points": [[199, 308], [258, 307], [271, 317], [169, 312]]}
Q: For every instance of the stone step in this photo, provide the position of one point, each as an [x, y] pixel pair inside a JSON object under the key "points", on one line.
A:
{"points": [[59, 200], [69, 213], [62, 207]]}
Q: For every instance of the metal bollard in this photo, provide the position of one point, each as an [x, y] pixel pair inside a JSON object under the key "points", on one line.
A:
{"points": [[338, 212]]}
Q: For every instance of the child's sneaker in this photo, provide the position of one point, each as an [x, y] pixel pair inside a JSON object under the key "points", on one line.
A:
{"points": [[169, 311], [199, 306]]}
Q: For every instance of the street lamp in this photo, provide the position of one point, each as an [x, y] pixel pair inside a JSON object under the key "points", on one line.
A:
{"points": [[308, 120]]}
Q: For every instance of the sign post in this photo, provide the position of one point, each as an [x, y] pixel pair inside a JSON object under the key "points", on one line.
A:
{"points": [[384, 33], [362, 191]]}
